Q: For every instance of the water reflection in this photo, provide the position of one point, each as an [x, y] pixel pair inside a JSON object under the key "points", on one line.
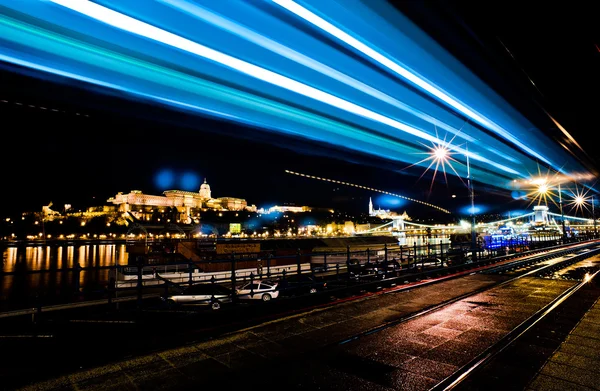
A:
{"points": [[27, 288]]}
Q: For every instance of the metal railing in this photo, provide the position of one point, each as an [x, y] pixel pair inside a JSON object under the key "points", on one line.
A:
{"points": [[139, 281]]}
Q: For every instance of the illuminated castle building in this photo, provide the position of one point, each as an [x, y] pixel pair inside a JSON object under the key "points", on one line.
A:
{"points": [[381, 213], [188, 204]]}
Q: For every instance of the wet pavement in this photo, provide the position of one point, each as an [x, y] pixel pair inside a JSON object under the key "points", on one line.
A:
{"points": [[315, 350], [576, 364], [578, 271], [519, 362]]}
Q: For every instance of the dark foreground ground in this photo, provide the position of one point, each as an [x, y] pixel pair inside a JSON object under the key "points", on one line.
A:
{"points": [[332, 348]]}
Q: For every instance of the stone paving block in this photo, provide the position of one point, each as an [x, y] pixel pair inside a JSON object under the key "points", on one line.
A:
{"points": [[419, 324], [364, 368], [429, 368], [170, 379], [455, 324], [336, 380], [580, 350], [322, 319], [281, 330], [150, 368], [391, 356], [296, 343], [576, 361], [423, 338], [412, 348], [182, 356], [583, 341], [588, 378], [442, 332], [62, 384], [487, 323], [266, 349], [203, 369], [587, 329], [377, 318], [240, 359], [452, 352], [113, 380], [408, 381]]}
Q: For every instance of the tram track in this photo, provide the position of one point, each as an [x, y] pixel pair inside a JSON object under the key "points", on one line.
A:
{"points": [[347, 340], [456, 379], [539, 270], [354, 357]]}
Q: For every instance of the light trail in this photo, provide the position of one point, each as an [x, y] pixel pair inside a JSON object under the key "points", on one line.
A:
{"points": [[246, 33], [135, 26], [370, 189], [406, 74], [243, 63], [385, 147]]}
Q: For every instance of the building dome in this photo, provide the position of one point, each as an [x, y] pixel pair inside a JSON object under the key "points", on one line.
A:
{"points": [[205, 190]]}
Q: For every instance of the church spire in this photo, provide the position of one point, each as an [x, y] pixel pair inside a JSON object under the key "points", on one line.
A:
{"points": [[370, 207]]}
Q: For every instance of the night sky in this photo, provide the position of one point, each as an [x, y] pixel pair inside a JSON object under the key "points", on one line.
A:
{"points": [[99, 143]]}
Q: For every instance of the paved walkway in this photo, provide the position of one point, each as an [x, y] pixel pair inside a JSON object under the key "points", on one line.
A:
{"points": [[293, 352], [258, 346], [575, 366]]}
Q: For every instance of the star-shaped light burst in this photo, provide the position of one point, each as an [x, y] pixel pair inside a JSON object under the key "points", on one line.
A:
{"points": [[542, 192], [542, 188], [579, 201], [439, 155]]}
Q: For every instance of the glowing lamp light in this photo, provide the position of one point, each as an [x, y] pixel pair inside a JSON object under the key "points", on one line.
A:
{"points": [[543, 188], [579, 200], [440, 153]]}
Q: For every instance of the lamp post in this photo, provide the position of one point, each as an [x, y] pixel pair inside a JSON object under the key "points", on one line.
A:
{"points": [[472, 196], [442, 156], [562, 216], [594, 215], [580, 201]]}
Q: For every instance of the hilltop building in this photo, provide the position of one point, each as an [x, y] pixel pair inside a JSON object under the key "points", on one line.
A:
{"points": [[381, 213], [186, 205]]}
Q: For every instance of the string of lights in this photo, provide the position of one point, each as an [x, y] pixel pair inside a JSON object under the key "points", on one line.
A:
{"points": [[571, 217], [370, 189]]}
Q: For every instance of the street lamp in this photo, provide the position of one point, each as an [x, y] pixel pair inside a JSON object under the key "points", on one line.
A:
{"points": [[580, 201], [440, 155], [594, 216], [472, 196], [562, 216]]}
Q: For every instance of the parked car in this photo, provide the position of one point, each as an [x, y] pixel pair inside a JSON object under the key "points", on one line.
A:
{"points": [[259, 290], [204, 294], [354, 268], [299, 284], [371, 271], [391, 267], [430, 261], [456, 256]]}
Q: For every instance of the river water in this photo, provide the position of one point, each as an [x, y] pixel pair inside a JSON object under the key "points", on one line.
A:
{"points": [[26, 288]]}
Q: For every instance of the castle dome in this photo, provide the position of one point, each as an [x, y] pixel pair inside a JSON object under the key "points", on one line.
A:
{"points": [[205, 190]]}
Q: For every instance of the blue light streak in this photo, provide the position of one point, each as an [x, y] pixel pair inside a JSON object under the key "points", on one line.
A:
{"points": [[243, 64]]}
